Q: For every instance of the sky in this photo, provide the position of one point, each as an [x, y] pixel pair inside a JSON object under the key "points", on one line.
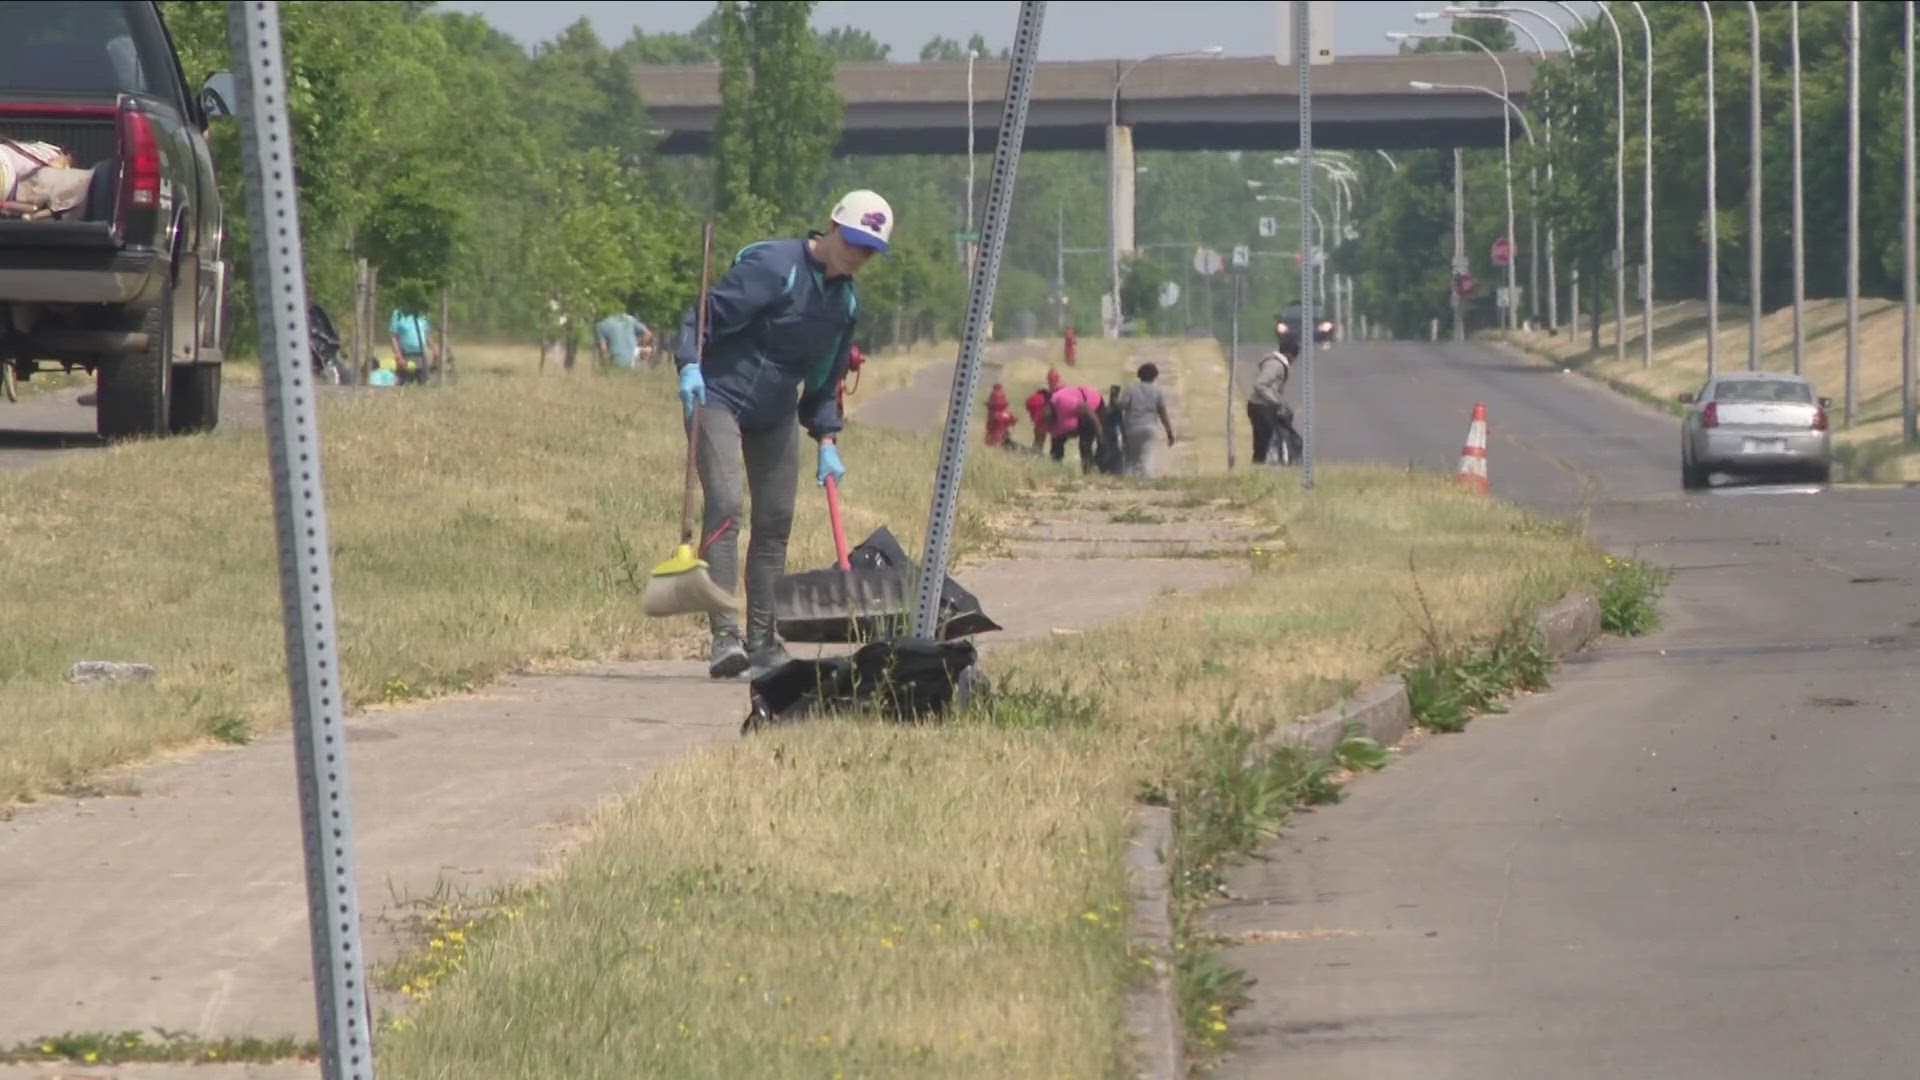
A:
{"points": [[1082, 30]]}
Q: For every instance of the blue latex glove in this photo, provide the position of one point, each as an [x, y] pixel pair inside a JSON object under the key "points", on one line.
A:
{"points": [[693, 387], [829, 465]]}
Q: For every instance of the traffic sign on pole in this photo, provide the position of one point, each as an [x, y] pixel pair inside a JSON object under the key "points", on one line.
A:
{"points": [[1269, 227], [1241, 256], [1207, 261], [1319, 33], [1463, 284], [1502, 251]]}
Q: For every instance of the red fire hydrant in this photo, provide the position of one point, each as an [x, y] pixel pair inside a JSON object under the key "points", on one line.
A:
{"points": [[1000, 418], [1073, 343]]}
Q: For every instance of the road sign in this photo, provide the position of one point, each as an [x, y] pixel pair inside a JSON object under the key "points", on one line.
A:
{"points": [[1319, 32], [1241, 256], [1502, 251], [1170, 295], [1460, 265], [1463, 284], [1207, 261], [1269, 227]]}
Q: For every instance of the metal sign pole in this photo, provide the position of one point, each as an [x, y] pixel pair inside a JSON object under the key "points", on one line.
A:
{"points": [[1303, 56], [1233, 362], [300, 520], [986, 277]]}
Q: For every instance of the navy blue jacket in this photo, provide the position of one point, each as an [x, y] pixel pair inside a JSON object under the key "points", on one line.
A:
{"points": [[776, 328]]}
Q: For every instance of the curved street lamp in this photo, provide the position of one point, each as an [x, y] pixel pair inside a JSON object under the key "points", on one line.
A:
{"points": [[1619, 174], [1646, 197], [1713, 216], [1524, 127], [1113, 169], [1506, 130], [1533, 243]]}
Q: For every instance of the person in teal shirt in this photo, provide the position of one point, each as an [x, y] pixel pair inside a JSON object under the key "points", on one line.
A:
{"points": [[412, 339], [617, 337]]}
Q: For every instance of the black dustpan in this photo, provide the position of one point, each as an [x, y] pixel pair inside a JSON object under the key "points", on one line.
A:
{"points": [[869, 612]]}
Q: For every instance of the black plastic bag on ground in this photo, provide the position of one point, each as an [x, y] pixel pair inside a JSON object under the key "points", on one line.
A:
{"points": [[960, 613], [911, 679]]}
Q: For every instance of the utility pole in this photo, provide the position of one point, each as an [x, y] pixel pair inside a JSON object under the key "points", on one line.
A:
{"points": [[1060, 262], [1459, 243], [1756, 296], [1853, 208]]}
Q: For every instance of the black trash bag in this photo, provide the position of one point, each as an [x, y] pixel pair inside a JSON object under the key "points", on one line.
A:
{"points": [[911, 679], [960, 613]]}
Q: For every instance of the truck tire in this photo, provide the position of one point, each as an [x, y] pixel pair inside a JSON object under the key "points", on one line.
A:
{"points": [[135, 389], [196, 399]]}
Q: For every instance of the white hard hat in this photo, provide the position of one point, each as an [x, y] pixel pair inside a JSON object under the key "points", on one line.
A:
{"points": [[864, 219]]}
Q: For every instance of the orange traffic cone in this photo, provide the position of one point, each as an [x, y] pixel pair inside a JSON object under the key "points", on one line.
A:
{"points": [[1473, 456]]}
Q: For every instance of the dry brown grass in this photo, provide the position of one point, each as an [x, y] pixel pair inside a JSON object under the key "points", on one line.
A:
{"points": [[858, 899], [1871, 446], [476, 528]]}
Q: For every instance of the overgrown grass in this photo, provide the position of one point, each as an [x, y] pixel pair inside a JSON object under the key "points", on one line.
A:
{"points": [[866, 899], [506, 520]]}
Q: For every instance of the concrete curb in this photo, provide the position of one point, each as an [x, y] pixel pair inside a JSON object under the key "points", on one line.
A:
{"points": [[1384, 713], [1152, 1017]]}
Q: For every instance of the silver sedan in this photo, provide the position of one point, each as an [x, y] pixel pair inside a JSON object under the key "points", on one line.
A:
{"points": [[1755, 422]]}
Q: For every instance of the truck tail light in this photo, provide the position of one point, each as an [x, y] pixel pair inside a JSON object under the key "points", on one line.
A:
{"points": [[1819, 418], [140, 168], [1710, 416]]}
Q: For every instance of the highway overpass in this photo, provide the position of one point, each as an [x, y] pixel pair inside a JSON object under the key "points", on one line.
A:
{"points": [[1227, 103]]}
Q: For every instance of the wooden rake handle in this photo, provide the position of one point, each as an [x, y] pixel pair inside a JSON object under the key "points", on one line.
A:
{"points": [[688, 505]]}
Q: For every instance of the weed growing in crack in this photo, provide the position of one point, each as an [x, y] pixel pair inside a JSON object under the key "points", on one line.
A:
{"points": [[1450, 684], [1630, 596]]}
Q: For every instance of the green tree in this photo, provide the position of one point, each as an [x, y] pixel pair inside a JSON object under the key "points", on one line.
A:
{"points": [[851, 45], [779, 114]]}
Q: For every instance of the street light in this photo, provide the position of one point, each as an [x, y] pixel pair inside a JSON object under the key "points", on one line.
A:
{"points": [[1713, 216], [972, 55], [1619, 174], [1506, 131], [1507, 159], [1646, 197], [1755, 296], [1113, 170], [1799, 242], [1533, 242], [1853, 208]]}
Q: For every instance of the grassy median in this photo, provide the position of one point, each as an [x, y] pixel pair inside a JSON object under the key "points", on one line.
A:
{"points": [[859, 899], [506, 520]]}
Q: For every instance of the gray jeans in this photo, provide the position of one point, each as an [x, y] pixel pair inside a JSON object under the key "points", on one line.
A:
{"points": [[737, 465]]}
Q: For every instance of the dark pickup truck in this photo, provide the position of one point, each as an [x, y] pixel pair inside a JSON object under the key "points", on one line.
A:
{"points": [[123, 278]]}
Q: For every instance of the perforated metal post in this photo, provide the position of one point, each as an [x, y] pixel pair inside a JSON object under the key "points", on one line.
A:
{"points": [[300, 520], [1303, 56], [986, 277], [1233, 361]]}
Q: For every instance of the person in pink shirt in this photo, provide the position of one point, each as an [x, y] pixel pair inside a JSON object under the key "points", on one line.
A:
{"points": [[1075, 411]]}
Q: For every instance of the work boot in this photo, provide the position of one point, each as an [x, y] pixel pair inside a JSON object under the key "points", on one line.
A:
{"points": [[728, 658], [766, 660]]}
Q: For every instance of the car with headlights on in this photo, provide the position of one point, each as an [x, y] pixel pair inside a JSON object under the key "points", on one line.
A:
{"points": [[1755, 423], [1287, 325]]}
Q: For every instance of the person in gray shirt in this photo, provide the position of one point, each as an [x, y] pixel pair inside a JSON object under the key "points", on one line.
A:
{"points": [[1142, 406]]}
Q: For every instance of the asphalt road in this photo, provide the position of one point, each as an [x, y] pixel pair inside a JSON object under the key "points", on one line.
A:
{"points": [[1698, 856]]}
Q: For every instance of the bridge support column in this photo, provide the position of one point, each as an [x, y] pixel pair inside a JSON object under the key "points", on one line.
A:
{"points": [[1120, 177]]}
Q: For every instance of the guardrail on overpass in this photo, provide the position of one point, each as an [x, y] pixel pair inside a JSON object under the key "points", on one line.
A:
{"points": [[1229, 103]]}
